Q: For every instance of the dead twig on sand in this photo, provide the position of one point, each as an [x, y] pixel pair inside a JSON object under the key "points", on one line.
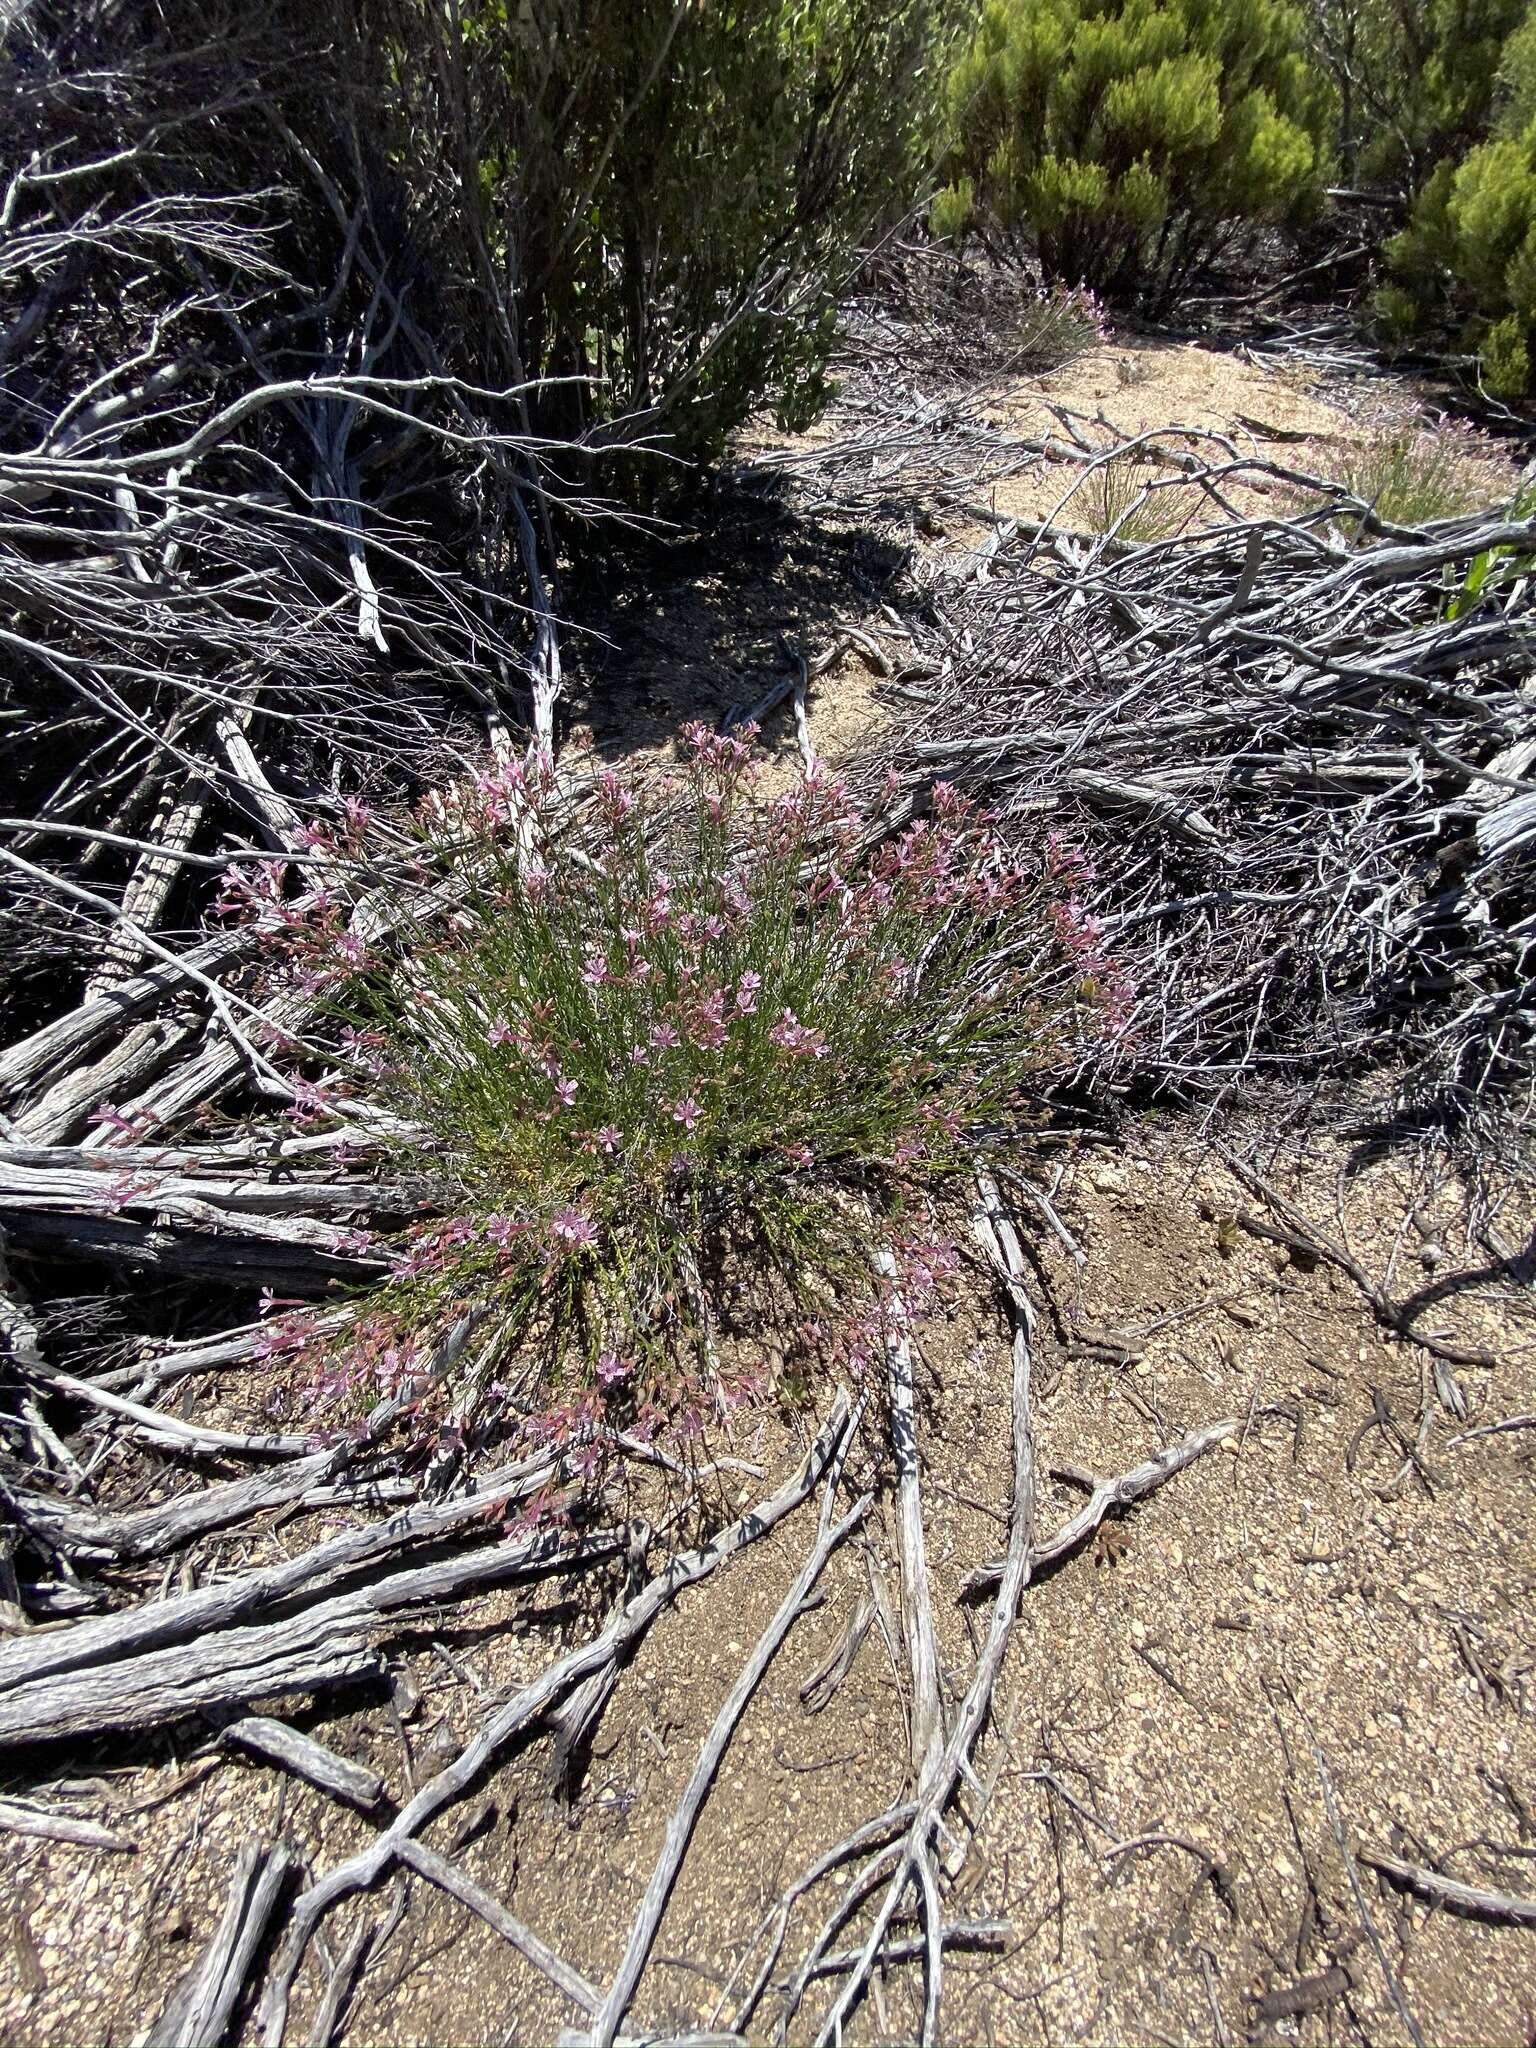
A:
{"points": [[1450, 1892], [906, 1865], [200, 2010], [680, 1827], [1109, 1494], [528, 1706]]}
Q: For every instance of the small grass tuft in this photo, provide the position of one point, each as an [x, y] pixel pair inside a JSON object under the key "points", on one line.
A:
{"points": [[1414, 474], [1131, 499]]}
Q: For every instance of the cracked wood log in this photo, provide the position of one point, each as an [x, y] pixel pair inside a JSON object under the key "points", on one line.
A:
{"points": [[319, 1645], [63, 1042], [324, 1569], [173, 828], [236, 1252], [203, 2004], [63, 1177], [140, 1056], [307, 1759]]}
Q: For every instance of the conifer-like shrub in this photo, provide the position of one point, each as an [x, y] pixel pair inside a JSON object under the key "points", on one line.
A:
{"points": [[1416, 81], [1465, 265], [1466, 262], [666, 196], [687, 1066], [1135, 140]]}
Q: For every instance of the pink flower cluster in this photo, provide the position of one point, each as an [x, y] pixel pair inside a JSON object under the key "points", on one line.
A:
{"points": [[798, 1039], [1082, 938]]}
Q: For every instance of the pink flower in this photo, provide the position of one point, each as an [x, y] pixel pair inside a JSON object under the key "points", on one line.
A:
{"points": [[610, 1139], [1066, 862], [572, 1228], [791, 1036], [746, 993], [535, 881], [501, 1032], [594, 970], [686, 1112], [565, 1092], [109, 1113], [733, 894], [664, 1037], [270, 1301], [611, 1368], [614, 799]]}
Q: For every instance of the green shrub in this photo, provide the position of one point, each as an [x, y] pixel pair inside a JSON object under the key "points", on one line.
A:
{"points": [[1412, 474], [1135, 139], [1417, 81], [1467, 259], [664, 193], [710, 1048]]}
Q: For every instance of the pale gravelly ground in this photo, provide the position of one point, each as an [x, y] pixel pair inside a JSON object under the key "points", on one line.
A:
{"points": [[1288, 1601]]}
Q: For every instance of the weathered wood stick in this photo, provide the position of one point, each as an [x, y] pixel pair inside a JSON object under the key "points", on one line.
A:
{"points": [[927, 1729], [1112, 1493], [308, 1759], [914, 1861], [318, 1646], [453, 1881], [19, 1818], [203, 2005], [531, 1703], [1450, 1892], [322, 1569], [685, 1818]]}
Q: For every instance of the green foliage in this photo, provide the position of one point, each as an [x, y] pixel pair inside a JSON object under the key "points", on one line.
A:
{"points": [[1135, 138], [722, 185], [1467, 258], [711, 1040], [663, 192], [1495, 570], [1413, 474], [1517, 77], [1417, 81], [1131, 500]]}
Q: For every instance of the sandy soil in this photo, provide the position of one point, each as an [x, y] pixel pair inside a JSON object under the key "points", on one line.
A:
{"points": [[1300, 1617]]}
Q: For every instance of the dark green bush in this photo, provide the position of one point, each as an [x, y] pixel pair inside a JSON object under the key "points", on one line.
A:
{"points": [[1417, 80], [666, 193], [1135, 139], [1467, 258]]}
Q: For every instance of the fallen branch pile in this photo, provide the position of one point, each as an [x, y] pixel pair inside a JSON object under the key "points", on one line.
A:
{"points": [[263, 546], [1301, 763]]}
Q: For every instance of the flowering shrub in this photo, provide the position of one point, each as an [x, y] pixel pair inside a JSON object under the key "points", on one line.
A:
{"points": [[681, 1066]]}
